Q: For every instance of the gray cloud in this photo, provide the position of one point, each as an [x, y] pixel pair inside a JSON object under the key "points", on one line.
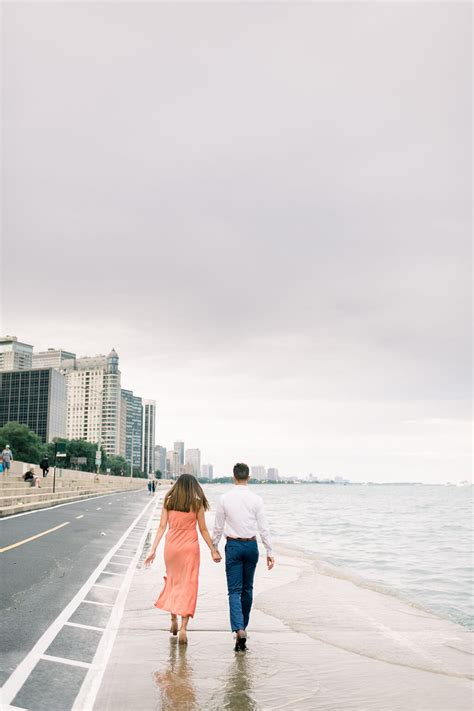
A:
{"points": [[265, 208]]}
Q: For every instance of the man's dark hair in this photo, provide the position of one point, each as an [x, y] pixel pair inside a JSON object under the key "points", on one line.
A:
{"points": [[241, 471]]}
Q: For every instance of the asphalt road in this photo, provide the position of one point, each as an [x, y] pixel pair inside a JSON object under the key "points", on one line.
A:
{"points": [[40, 577]]}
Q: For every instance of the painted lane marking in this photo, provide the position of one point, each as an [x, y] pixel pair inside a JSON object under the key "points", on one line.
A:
{"points": [[123, 564], [98, 508], [109, 587], [119, 555], [94, 602], [24, 669], [63, 660], [84, 627], [68, 503], [32, 538], [81, 516], [106, 572]]}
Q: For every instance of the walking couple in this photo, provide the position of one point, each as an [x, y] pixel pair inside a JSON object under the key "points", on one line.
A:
{"points": [[239, 515]]}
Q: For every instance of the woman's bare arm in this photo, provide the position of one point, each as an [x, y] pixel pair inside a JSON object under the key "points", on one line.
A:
{"points": [[159, 535], [201, 519]]}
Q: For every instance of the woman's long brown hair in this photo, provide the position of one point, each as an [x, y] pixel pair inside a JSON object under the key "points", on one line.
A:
{"points": [[186, 495]]}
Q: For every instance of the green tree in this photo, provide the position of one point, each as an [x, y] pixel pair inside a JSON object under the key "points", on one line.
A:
{"points": [[117, 465], [77, 448], [26, 446], [158, 474]]}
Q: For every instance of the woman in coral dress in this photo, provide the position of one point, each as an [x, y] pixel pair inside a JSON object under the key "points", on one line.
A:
{"points": [[183, 508]]}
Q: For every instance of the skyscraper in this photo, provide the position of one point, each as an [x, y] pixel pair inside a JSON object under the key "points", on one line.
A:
{"points": [[133, 428], [172, 464], [179, 447], [52, 358], [35, 398], [259, 473], [193, 458], [15, 355], [207, 471], [148, 436], [272, 474], [160, 459], [93, 400]]}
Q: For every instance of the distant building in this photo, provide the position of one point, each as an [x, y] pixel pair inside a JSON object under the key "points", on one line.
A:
{"points": [[272, 474], [160, 459], [259, 473], [94, 400], [179, 447], [148, 440], [35, 398], [172, 464], [52, 358], [133, 406], [193, 458], [15, 355], [207, 471]]}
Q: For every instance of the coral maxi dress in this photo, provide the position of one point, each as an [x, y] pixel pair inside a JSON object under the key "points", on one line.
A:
{"points": [[182, 565]]}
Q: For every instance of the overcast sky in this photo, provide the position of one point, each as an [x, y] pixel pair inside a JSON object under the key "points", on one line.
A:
{"points": [[264, 208]]}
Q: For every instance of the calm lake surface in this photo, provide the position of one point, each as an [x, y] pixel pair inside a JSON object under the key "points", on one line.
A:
{"points": [[414, 540]]}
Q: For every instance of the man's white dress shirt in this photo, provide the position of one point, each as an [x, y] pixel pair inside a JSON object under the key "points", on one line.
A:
{"points": [[240, 514]]}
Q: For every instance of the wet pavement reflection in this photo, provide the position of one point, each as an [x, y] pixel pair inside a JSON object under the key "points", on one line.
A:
{"points": [[175, 681]]}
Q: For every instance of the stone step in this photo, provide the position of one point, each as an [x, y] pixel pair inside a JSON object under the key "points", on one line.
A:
{"points": [[38, 495], [8, 510]]}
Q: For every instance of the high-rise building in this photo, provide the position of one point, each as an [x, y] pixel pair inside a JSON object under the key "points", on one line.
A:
{"points": [[259, 473], [148, 436], [193, 458], [93, 400], [15, 355], [179, 447], [35, 398], [134, 428], [52, 358], [160, 459], [173, 467], [207, 471], [272, 474]]}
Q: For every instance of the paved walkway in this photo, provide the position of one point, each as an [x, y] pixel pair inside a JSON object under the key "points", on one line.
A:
{"points": [[375, 652]]}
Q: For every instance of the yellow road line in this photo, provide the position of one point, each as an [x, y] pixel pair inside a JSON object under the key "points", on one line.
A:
{"points": [[32, 538]]}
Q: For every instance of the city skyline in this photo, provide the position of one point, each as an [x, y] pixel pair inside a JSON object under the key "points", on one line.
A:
{"points": [[276, 239]]}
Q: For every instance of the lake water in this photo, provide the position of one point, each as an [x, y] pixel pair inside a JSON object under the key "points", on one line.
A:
{"points": [[414, 540]]}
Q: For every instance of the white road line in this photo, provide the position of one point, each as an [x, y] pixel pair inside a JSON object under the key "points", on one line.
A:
{"points": [[109, 587], [81, 516], [7, 707], [119, 555], [98, 508], [63, 660], [95, 602], [125, 565], [84, 627], [90, 687], [24, 669], [5, 519], [106, 572]]}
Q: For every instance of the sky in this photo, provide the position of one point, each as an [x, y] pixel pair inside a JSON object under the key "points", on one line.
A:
{"points": [[265, 208]]}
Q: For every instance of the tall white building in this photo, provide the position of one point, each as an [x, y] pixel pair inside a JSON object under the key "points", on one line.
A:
{"points": [[179, 447], [148, 436], [272, 474], [160, 459], [207, 471], [173, 467], [193, 459], [52, 358], [15, 355], [93, 400], [259, 473]]}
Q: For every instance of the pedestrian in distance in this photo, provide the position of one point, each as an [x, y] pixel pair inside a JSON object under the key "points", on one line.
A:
{"points": [[44, 466], [7, 458], [239, 515], [32, 477], [149, 486], [153, 486], [183, 508]]}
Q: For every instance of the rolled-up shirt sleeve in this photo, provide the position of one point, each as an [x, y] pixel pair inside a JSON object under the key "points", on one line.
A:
{"points": [[219, 523], [263, 529]]}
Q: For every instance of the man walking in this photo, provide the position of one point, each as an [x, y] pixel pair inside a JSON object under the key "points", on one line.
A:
{"points": [[7, 458], [239, 515]]}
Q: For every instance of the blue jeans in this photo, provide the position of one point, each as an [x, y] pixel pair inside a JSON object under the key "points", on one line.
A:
{"points": [[241, 558]]}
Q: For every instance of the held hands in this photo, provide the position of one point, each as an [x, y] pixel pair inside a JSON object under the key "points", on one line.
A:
{"points": [[149, 560], [216, 556], [270, 562]]}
